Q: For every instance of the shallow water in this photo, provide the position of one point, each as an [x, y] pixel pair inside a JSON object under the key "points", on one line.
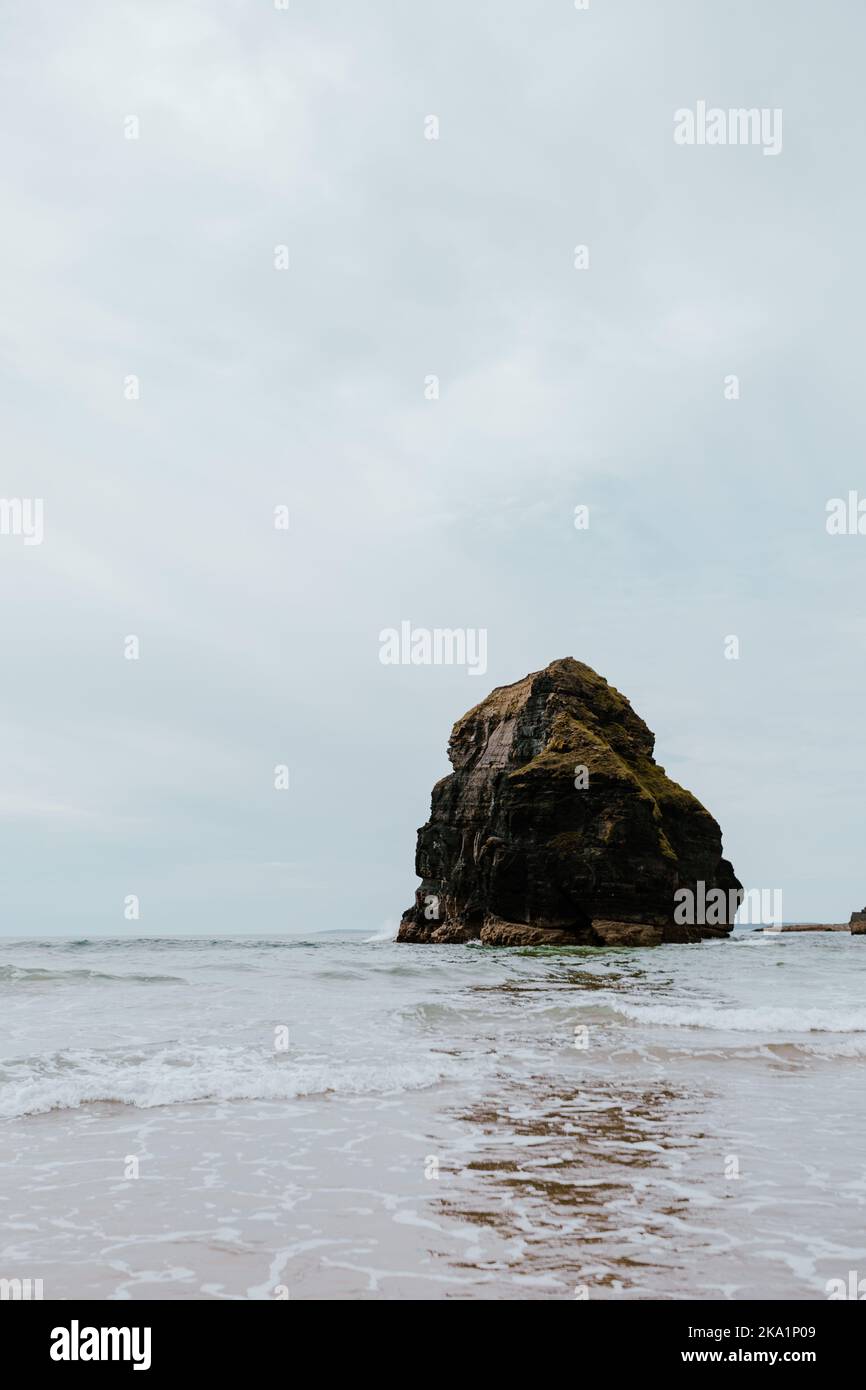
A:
{"points": [[444, 1121]]}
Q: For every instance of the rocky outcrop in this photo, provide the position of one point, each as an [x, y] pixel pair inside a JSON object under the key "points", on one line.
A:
{"points": [[858, 923], [557, 827], [805, 926]]}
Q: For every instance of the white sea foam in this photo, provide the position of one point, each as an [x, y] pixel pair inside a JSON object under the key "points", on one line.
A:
{"points": [[387, 932], [177, 1076], [766, 1018], [379, 1022]]}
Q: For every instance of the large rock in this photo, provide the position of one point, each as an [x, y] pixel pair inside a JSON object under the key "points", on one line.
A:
{"points": [[858, 923], [517, 851]]}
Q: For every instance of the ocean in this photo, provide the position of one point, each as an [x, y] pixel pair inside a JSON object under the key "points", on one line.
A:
{"points": [[342, 1117]]}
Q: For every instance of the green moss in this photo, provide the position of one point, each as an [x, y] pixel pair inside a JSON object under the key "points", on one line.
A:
{"points": [[574, 742], [559, 950], [613, 742], [663, 789]]}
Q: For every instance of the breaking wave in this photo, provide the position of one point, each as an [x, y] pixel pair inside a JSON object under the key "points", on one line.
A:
{"points": [[176, 1075], [24, 975], [766, 1018]]}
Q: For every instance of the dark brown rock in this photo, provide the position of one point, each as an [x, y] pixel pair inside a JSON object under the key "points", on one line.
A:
{"points": [[807, 926], [515, 853], [498, 933], [858, 923]]}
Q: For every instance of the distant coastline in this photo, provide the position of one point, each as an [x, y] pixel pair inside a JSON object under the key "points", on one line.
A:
{"points": [[809, 926]]}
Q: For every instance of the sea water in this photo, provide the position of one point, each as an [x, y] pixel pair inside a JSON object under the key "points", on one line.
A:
{"points": [[345, 1117]]}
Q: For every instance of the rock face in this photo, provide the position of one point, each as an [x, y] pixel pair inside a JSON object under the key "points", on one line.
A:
{"points": [[858, 923], [524, 848]]}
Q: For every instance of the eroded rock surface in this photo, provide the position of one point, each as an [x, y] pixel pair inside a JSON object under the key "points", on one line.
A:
{"points": [[523, 847]]}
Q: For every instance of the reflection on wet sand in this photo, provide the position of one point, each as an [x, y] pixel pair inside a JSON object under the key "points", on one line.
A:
{"points": [[573, 1183]]}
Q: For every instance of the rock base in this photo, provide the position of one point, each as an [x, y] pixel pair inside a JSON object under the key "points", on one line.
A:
{"points": [[496, 932]]}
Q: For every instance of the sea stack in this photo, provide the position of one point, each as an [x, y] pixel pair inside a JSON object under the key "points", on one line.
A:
{"points": [[858, 923], [557, 827]]}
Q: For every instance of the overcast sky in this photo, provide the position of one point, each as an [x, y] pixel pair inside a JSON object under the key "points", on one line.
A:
{"points": [[259, 387]]}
